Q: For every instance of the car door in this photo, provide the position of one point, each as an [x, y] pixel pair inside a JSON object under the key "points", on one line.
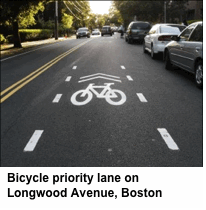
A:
{"points": [[128, 30], [148, 37], [193, 47], [178, 54]]}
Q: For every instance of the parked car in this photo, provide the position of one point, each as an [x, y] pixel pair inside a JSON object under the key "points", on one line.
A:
{"points": [[136, 31], [83, 32], [106, 30], [95, 32], [186, 51], [159, 36]]}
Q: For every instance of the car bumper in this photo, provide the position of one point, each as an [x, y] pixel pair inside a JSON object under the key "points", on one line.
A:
{"points": [[82, 35], [159, 47], [137, 37]]}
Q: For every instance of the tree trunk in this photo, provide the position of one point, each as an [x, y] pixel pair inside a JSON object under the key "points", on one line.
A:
{"points": [[17, 41]]}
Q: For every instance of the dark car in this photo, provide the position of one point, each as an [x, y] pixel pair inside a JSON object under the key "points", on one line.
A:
{"points": [[186, 52], [83, 32], [136, 31], [106, 30]]}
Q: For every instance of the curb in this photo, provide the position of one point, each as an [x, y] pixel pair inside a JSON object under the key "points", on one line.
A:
{"points": [[28, 45]]}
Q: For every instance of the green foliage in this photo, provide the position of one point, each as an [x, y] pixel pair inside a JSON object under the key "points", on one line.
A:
{"points": [[10, 38], [21, 11], [2, 39], [35, 34], [151, 11], [67, 20], [32, 35], [26, 17], [192, 21]]}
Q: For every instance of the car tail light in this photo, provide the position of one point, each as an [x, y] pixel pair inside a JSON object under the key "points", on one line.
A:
{"points": [[164, 38]]}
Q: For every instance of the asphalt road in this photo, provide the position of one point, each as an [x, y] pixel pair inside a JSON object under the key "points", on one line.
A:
{"points": [[148, 117]]}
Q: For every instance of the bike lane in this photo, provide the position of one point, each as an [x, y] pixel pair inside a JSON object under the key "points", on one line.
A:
{"points": [[112, 129]]}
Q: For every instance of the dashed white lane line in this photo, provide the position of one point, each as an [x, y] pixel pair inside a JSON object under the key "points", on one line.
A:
{"points": [[57, 98], [74, 67], [33, 141], [123, 67], [129, 78], [168, 139], [68, 79], [141, 97]]}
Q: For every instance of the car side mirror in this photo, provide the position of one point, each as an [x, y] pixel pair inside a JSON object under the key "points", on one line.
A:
{"points": [[175, 38]]}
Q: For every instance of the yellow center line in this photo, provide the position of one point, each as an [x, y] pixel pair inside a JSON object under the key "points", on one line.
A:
{"points": [[38, 72], [15, 84]]}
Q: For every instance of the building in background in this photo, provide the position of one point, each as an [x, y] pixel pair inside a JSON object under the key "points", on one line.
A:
{"points": [[194, 10]]}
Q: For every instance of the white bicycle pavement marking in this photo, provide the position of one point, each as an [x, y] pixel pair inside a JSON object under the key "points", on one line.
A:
{"points": [[74, 67], [141, 97], [129, 78], [107, 93], [57, 98], [99, 74], [123, 67], [92, 77], [68, 79], [33, 141], [168, 139], [99, 77]]}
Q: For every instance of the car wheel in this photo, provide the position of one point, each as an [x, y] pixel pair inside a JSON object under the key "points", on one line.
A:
{"points": [[102, 35], [110, 34], [144, 50], [129, 41], [77, 37], [153, 55], [126, 39], [199, 74], [168, 64]]}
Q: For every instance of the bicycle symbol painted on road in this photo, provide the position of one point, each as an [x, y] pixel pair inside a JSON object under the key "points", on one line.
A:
{"points": [[112, 96]]}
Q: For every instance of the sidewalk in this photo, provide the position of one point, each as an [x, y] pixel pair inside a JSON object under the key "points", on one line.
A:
{"points": [[8, 49]]}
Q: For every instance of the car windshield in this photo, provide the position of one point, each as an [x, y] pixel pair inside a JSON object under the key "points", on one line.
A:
{"points": [[106, 28], [181, 28], [169, 29], [82, 29], [141, 26]]}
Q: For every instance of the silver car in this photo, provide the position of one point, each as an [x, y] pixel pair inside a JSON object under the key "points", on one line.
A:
{"points": [[159, 36], [186, 51]]}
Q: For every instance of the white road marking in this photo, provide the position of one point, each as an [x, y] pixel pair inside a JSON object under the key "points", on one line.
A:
{"points": [[57, 98], [168, 139], [33, 141], [122, 67], [68, 79], [129, 78], [141, 97], [99, 77], [107, 93], [99, 74], [74, 67]]}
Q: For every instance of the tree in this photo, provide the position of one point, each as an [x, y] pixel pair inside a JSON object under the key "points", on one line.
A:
{"points": [[152, 11], [15, 12], [115, 16]]}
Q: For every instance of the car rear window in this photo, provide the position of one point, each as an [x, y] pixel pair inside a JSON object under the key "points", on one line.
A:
{"points": [[106, 28], [181, 28], [169, 29], [143, 26], [83, 29]]}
